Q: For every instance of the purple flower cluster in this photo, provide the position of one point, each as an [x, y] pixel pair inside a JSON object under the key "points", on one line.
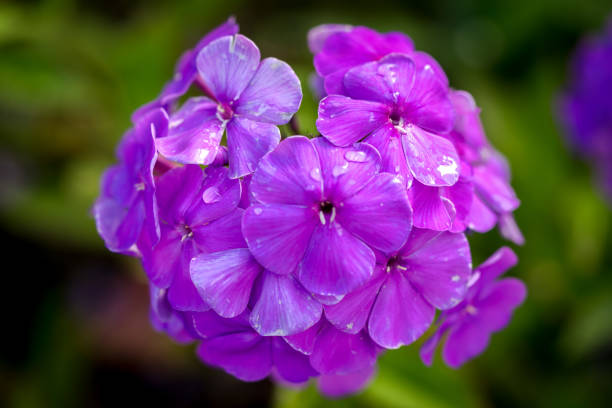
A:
{"points": [[586, 108], [304, 257]]}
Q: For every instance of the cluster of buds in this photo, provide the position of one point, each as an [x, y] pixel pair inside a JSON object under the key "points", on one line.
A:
{"points": [[309, 257]]}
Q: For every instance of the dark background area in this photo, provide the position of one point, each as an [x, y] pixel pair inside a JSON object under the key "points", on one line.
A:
{"points": [[75, 316]]}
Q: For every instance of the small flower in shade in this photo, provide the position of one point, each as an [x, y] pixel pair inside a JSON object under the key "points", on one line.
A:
{"points": [[398, 304], [402, 108], [321, 209], [234, 346], [167, 320], [185, 73], [487, 308], [280, 306], [249, 99], [586, 107], [197, 214], [493, 200], [126, 211]]}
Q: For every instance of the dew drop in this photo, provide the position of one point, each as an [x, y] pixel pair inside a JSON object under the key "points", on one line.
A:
{"points": [[211, 195], [340, 169], [315, 174], [257, 210], [355, 156]]}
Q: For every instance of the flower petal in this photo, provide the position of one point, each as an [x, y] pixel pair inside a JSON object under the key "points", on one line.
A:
{"points": [[194, 133], [245, 355], [278, 235], [432, 159], [284, 307], [304, 342], [224, 279], [337, 352], [221, 234], [387, 140], [379, 214], [227, 65], [291, 365], [345, 170], [217, 196], [400, 314], [317, 35], [429, 102], [465, 340], [496, 303], [336, 262], [494, 190], [480, 218], [182, 294], [176, 192], [273, 95], [344, 121], [431, 209], [495, 266], [291, 174], [439, 266], [339, 385], [352, 312], [248, 141]]}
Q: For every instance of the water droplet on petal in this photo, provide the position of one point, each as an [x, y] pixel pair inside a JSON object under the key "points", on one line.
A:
{"points": [[211, 195], [356, 156], [257, 210], [315, 174], [340, 169]]}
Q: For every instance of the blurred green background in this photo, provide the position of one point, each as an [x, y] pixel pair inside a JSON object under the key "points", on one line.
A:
{"points": [[75, 321]]}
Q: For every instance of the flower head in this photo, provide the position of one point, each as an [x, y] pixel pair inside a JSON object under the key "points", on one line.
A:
{"points": [[487, 308]]}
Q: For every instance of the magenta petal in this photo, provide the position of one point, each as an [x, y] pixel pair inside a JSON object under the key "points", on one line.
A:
{"points": [[278, 235], [431, 209], [224, 279], [248, 141], [273, 95], [433, 111], [388, 142], [340, 385], [194, 133], [465, 341], [344, 121], [177, 190], [343, 50], [245, 355], [227, 65], [497, 302], [336, 262], [432, 159], [352, 312], [370, 82], [480, 218], [284, 307], [439, 266], [429, 346], [337, 352], [291, 174], [510, 230], [221, 234], [229, 27], [400, 314], [319, 34], [291, 365], [182, 294], [218, 196], [494, 190], [164, 262], [345, 170], [304, 342], [495, 266], [379, 214]]}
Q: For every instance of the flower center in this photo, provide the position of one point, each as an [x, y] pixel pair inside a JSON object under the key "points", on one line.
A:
{"points": [[394, 263], [395, 118], [224, 111], [186, 232], [327, 212]]}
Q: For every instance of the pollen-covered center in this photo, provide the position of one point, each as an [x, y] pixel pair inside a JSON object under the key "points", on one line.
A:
{"points": [[327, 212], [186, 232], [395, 263], [224, 111]]}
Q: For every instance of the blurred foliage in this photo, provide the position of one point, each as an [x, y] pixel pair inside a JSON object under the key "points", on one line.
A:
{"points": [[72, 71]]}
